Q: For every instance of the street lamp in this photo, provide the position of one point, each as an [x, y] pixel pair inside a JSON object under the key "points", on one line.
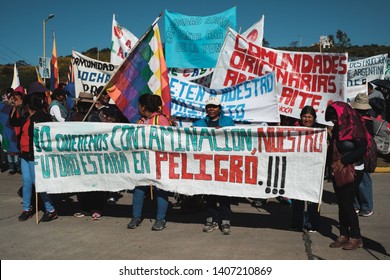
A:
{"points": [[44, 38]]}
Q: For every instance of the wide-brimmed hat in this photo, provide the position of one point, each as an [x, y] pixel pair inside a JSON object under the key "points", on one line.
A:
{"points": [[85, 97], [37, 87], [213, 100], [361, 102]]}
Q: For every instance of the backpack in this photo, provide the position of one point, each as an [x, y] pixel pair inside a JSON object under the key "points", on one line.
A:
{"points": [[382, 136], [371, 156]]}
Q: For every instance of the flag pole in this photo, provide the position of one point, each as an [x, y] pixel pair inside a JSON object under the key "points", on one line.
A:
{"points": [[135, 46], [36, 208]]}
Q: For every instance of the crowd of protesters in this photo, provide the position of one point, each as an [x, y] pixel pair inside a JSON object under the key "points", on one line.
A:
{"points": [[39, 105]]}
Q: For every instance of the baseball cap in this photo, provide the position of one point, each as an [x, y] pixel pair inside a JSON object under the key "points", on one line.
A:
{"points": [[213, 100]]}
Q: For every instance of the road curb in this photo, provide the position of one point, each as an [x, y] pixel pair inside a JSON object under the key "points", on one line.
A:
{"points": [[382, 170]]}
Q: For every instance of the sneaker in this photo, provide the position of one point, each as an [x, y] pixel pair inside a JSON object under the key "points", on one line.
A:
{"points": [[357, 211], [96, 216], [258, 202], [366, 213], [135, 222], [295, 228], [12, 172], [111, 201], [159, 225], [25, 216], [225, 227], [49, 216], [210, 225]]}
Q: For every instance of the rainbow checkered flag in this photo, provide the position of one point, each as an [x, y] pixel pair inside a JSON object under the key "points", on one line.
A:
{"points": [[143, 71]]}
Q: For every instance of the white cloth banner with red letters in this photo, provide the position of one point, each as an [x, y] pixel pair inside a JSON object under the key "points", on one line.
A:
{"points": [[257, 162], [302, 78]]}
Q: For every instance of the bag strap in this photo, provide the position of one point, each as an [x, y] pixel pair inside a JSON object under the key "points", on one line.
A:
{"points": [[379, 128]]}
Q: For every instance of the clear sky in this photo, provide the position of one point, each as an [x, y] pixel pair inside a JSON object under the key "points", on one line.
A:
{"points": [[84, 24]]}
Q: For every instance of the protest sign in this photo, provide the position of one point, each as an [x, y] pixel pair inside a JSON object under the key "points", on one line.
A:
{"points": [[195, 41], [200, 76], [362, 71], [233, 161], [250, 101], [302, 78], [90, 74]]}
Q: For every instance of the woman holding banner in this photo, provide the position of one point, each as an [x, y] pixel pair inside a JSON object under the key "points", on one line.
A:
{"points": [[348, 140], [310, 218], [34, 106], [222, 214], [149, 107]]}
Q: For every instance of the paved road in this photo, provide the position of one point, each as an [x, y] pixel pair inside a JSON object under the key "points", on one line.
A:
{"points": [[257, 234]]}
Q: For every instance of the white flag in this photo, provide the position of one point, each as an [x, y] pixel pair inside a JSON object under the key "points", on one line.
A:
{"points": [[15, 81], [255, 33], [121, 43]]}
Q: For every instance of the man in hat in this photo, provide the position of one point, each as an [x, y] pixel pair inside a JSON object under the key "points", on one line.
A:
{"points": [[364, 199], [58, 110], [376, 101], [217, 216]]}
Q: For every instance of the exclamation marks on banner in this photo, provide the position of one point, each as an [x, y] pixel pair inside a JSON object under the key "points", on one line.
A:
{"points": [[276, 172]]}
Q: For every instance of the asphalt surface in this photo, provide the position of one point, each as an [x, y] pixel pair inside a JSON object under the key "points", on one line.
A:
{"points": [[257, 233]]}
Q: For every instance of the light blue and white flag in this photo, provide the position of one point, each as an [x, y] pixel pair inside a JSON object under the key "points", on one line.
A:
{"points": [[194, 41]]}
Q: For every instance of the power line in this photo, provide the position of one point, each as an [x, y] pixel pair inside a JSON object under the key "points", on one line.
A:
{"points": [[10, 59], [25, 59]]}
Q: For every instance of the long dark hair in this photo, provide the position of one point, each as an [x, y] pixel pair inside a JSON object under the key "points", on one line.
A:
{"points": [[33, 102], [152, 102]]}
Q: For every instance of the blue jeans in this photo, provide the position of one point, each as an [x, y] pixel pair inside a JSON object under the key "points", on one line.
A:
{"points": [[28, 176], [138, 201], [13, 161], [364, 198]]}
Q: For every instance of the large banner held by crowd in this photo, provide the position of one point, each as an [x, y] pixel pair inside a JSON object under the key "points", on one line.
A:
{"points": [[90, 74], [259, 162], [302, 78], [195, 41], [250, 101]]}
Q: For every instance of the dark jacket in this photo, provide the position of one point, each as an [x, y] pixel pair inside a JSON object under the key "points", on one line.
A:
{"points": [[38, 117]]}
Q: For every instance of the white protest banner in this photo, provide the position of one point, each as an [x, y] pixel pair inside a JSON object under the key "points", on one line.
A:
{"points": [[362, 71], [254, 162], [90, 74], [190, 74], [387, 72], [122, 40], [200, 76], [250, 101], [302, 78]]}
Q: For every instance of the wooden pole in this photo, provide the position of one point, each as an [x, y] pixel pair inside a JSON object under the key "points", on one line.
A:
{"points": [[36, 208]]}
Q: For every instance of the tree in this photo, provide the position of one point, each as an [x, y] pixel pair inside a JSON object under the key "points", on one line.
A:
{"points": [[343, 40], [265, 43]]}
